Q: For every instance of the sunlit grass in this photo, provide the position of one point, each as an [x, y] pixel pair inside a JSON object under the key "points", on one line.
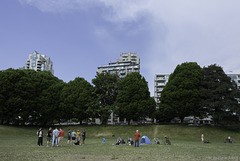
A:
{"points": [[20, 143]]}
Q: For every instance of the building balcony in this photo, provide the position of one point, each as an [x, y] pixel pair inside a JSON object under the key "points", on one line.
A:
{"points": [[161, 84], [159, 89], [162, 78]]}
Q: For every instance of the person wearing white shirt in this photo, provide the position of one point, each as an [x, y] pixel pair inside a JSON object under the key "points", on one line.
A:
{"points": [[55, 137]]}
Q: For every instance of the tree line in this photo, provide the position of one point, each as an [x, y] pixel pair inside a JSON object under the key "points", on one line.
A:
{"points": [[39, 98], [203, 92]]}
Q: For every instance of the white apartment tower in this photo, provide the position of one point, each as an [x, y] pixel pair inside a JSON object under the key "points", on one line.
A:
{"points": [[128, 62], [39, 62], [160, 82], [235, 78]]}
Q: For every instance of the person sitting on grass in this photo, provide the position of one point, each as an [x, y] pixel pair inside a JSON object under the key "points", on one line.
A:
{"points": [[205, 141], [129, 141], [167, 141], [77, 143], [157, 140], [118, 141]]}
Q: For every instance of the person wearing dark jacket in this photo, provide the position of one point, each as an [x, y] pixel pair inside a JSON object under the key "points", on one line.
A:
{"points": [[40, 137]]}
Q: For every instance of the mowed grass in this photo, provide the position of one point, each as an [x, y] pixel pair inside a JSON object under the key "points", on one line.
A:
{"points": [[20, 143]]}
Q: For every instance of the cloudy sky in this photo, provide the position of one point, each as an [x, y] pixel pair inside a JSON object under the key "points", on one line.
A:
{"points": [[80, 35]]}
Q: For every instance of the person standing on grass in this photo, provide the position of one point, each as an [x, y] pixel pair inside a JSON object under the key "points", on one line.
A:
{"points": [[229, 139], [40, 137], [137, 135], [60, 137], [78, 137], [73, 137], [55, 137], [202, 138], [83, 136], [49, 136], [69, 136]]}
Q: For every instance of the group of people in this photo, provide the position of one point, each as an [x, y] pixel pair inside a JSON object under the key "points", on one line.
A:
{"points": [[129, 140], [76, 137], [56, 136], [203, 139], [228, 139]]}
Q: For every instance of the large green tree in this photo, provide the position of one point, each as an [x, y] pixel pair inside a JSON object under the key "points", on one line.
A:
{"points": [[77, 100], [180, 97], [134, 101], [50, 98], [219, 96], [106, 91], [10, 101], [43, 96], [21, 93]]}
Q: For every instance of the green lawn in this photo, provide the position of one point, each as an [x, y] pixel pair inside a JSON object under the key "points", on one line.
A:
{"points": [[20, 143]]}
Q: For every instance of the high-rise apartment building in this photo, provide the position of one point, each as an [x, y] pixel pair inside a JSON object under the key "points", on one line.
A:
{"points": [[128, 62], [235, 78], [39, 62], [160, 82]]}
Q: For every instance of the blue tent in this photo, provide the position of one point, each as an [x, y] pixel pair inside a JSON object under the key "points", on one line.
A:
{"points": [[145, 140]]}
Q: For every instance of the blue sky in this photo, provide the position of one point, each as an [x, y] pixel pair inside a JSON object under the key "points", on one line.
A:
{"points": [[80, 35]]}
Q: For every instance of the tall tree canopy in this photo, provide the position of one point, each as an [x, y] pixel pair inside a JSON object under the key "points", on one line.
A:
{"points": [[24, 96], [77, 98], [106, 91], [219, 96], [180, 97], [48, 89], [134, 101]]}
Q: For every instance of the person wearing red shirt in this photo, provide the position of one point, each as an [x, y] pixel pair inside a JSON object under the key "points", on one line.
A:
{"points": [[60, 137], [137, 135]]}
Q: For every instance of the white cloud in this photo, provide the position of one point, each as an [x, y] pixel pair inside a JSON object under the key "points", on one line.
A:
{"points": [[124, 10], [203, 31]]}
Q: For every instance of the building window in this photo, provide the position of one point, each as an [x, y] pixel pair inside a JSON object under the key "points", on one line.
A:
{"points": [[42, 67], [33, 63]]}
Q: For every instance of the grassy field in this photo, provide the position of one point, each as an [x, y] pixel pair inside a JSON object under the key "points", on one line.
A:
{"points": [[20, 143]]}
